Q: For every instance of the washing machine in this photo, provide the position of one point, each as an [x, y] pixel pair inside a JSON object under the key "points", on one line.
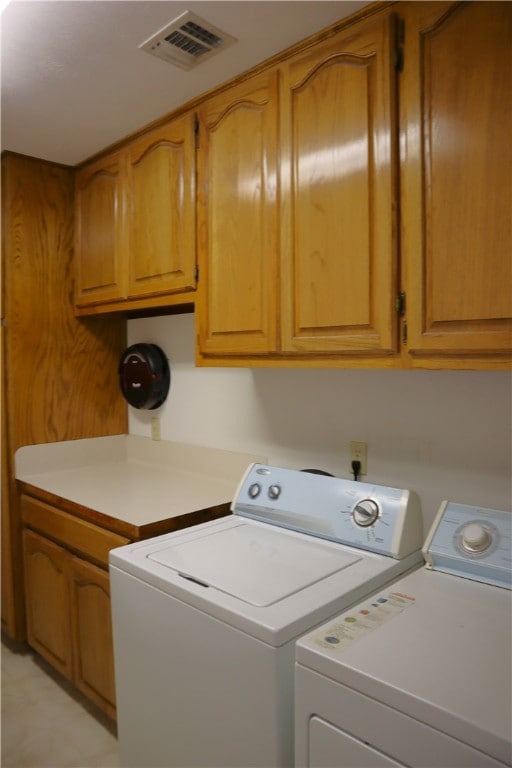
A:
{"points": [[205, 619], [420, 673]]}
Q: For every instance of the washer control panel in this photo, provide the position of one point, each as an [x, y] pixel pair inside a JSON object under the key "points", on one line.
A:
{"points": [[474, 542], [371, 517]]}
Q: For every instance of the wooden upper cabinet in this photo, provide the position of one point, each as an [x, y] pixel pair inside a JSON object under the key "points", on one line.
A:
{"points": [[456, 113], [237, 219], [99, 231], [135, 221], [161, 210], [338, 161]]}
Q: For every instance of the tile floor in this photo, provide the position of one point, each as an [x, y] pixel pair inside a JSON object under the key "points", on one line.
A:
{"points": [[44, 723]]}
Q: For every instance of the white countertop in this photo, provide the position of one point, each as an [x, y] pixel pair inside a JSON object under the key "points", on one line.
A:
{"points": [[134, 479]]}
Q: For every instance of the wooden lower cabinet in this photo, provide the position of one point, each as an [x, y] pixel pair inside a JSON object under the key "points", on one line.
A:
{"points": [[68, 597], [67, 585], [47, 593], [91, 630]]}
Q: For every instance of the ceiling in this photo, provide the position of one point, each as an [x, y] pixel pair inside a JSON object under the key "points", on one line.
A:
{"points": [[75, 81]]}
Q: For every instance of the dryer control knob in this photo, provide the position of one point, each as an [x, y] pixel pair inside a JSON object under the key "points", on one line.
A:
{"points": [[254, 490], [475, 538], [274, 491], [365, 513]]}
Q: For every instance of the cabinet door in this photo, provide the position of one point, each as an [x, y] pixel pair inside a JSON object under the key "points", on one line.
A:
{"points": [[47, 601], [99, 232], [237, 219], [161, 210], [456, 111], [92, 634], [339, 279]]}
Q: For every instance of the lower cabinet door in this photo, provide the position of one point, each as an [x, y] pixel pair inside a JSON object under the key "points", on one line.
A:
{"points": [[47, 592], [92, 633]]}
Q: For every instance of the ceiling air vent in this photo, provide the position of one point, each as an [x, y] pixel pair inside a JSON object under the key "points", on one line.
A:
{"points": [[187, 41]]}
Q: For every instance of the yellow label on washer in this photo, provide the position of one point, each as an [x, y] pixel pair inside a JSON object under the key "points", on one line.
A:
{"points": [[363, 619]]}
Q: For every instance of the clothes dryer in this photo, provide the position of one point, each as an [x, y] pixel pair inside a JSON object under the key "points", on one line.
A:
{"points": [[419, 674]]}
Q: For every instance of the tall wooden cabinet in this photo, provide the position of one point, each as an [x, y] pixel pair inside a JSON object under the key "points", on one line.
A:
{"points": [[135, 222], [59, 372], [456, 128]]}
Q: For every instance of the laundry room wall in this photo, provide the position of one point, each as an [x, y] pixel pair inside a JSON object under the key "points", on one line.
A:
{"points": [[444, 434]]}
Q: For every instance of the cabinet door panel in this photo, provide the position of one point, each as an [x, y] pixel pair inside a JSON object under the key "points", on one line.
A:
{"points": [[457, 193], [92, 634], [237, 219], [99, 232], [161, 210], [46, 585], [339, 249]]}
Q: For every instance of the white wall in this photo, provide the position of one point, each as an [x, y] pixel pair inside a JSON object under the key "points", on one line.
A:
{"points": [[445, 434]]}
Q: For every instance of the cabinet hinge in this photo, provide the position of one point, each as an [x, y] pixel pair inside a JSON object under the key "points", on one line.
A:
{"points": [[401, 31], [400, 40], [196, 274], [196, 130], [400, 306]]}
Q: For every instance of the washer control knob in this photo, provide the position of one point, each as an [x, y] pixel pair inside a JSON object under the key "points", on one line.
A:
{"points": [[274, 491], [365, 513], [475, 538], [254, 490]]}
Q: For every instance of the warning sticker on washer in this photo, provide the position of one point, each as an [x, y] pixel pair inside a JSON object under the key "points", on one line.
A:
{"points": [[354, 625]]}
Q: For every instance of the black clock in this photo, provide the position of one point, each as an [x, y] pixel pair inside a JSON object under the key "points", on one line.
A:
{"points": [[144, 376]]}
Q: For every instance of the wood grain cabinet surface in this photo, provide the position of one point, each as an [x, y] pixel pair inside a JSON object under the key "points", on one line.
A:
{"points": [[47, 601], [59, 373], [99, 231], [135, 222], [390, 194], [161, 210], [91, 631], [353, 201], [237, 219], [68, 597], [65, 555], [456, 117], [339, 194], [297, 250]]}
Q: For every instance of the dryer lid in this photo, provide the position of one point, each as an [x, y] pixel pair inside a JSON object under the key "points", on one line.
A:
{"points": [[256, 564]]}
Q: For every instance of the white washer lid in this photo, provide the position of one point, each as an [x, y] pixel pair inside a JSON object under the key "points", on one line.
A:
{"points": [[258, 565]]}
